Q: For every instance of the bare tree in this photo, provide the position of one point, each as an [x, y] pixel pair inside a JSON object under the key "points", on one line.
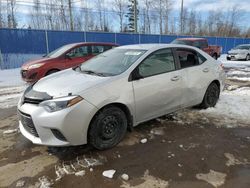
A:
{"points": [[192, 22], [162, 8], [63, 16], [148, 6], [234, 16], [36, 15], [120, 7], [11, 13]]}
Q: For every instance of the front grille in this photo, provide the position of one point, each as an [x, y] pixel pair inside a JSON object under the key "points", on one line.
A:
{"points": [[28, 123], [32, 101]]}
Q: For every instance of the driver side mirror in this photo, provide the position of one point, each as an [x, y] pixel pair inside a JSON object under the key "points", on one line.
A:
{"points": [[135, 75]]}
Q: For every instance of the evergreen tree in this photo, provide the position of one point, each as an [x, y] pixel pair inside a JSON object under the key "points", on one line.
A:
{"points": [[132, 15]]}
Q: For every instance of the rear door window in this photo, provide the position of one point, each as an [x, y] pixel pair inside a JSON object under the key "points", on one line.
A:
{"points": [[189, 58]]}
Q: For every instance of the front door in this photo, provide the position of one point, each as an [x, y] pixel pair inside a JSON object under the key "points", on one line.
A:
{"points": [[158, 90]]}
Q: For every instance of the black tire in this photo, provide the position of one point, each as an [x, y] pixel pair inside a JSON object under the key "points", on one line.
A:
{"points": [[108, 128], [51, 72], [211, 96], [228, 58], [215, 56], [248, 57]]}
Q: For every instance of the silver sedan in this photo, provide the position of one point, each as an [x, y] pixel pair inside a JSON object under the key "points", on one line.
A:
{"points": [[99, 100]]}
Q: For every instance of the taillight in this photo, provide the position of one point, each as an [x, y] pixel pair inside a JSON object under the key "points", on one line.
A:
{"points": [[222, 66]]}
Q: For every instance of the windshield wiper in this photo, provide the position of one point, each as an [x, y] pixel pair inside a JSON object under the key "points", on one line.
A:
{"points": [[93, 72]]}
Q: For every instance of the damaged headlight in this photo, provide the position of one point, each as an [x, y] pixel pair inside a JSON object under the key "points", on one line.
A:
{"points": [[60, 103]]}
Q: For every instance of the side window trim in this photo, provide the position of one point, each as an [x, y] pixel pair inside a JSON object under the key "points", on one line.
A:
{"points": [[136, 68]]}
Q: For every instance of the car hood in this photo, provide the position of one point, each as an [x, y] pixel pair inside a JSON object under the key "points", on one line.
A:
{"points": [[236, 51], [68, 82], [36, 61]]}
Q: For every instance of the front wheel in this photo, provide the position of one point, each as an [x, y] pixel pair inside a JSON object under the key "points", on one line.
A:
{"points": [[211, 96], [108, 128]]}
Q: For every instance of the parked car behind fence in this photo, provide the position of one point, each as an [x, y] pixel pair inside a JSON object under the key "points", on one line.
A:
{"points": [[201, 43], [62, 58]]}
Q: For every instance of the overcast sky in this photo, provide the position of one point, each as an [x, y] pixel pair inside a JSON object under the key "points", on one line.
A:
{"points": [[202, 6]]}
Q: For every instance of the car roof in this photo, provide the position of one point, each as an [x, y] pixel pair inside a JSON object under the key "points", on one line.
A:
{"points": [[191, 39], [153, 46], [93, 43]]}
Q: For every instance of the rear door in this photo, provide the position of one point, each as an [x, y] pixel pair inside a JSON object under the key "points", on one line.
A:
{"points": [[77, 56], [197, 75], [157, 92]]}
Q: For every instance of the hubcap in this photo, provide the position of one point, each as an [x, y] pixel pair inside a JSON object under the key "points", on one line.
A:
{"points": [[109, 127]]}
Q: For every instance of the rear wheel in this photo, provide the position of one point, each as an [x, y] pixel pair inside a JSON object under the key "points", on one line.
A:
{"points": [[211, 96], [107, 128]]}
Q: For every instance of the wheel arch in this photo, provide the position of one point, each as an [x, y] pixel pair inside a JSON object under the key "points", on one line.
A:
{"points": [[217, 82], [52, 69], [123, 107]]}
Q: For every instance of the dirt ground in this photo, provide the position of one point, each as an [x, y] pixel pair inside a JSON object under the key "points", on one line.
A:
{"points": [[183, 150]]}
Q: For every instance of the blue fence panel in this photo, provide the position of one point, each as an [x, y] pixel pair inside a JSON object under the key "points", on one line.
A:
{"points": [[100, 37], [230, 43], [211, 40], [59, 38], [239, 41], [247, 41], [22, 41], [19, 45], [167, 38], [123, 39], [149, 38], [222, 42]]}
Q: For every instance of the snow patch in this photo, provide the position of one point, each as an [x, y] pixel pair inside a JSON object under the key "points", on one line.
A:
{"points": [[216, 179], [109, 173], [9, 96], [233, 161], [144, 140], [45, 182], [234, 104], [10, 131], [125, 177], [80, 173], [10, 77], [149, 181], [77, 167], [245, 79]]}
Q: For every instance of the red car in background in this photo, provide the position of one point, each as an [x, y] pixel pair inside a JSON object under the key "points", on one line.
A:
{"points": [[201, 43], [67, 56]]}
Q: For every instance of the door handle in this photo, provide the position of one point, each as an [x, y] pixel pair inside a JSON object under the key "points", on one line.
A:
{"points": [[175, 78], [205, 70]]}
